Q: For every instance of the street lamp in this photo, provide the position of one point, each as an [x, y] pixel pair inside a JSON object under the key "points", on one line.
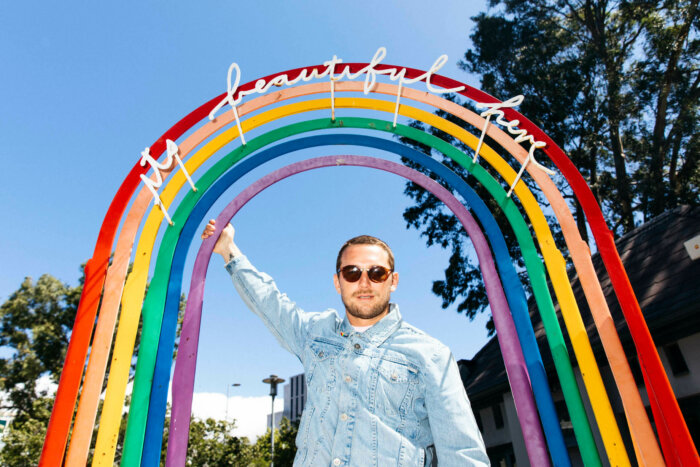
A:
{"points": [[228, 387], [273, 381]]}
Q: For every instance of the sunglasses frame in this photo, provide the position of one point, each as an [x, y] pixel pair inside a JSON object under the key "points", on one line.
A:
{"points": [[362, 270]]}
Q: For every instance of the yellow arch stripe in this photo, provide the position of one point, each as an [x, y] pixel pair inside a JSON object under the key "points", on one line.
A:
{"points": [[134, 290]]}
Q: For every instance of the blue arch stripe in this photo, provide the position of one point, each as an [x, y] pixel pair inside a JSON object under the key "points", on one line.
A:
{"points": [[512, 285]]}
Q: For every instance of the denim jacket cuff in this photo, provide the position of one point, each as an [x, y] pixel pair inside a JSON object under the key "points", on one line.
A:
{"points": [[236, 263]]}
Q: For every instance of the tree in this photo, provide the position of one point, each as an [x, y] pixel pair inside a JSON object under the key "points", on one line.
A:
{"points": [[212, 444], [462, 279], [25, 438], [615, 84], [285, 445], [35, 325]]}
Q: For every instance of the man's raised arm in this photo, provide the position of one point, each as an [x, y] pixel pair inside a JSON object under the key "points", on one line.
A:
{"points": [[287, 322]]}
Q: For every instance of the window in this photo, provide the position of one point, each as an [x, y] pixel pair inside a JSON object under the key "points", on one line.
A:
{"points": [[497, 415], [636, 371], [676, 360], [562, 411], [477, 417], [563, 415], [502, 456]]}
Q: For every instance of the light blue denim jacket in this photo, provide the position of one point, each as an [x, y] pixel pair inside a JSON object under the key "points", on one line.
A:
{"points": [[377, 398]]}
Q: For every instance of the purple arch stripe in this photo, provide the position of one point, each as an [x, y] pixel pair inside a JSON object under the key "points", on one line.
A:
{"points": [[186, 361]]}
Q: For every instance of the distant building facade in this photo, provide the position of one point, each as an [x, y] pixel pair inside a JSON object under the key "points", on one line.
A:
{"points": [[662, 260], [295, 397], [294, 400], [6, 417]]}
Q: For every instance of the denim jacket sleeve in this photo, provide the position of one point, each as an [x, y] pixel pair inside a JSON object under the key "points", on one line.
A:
{"points": [[456, 436], [287, 322]]}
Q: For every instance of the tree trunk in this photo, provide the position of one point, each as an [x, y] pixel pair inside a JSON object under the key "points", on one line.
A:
{"points": [[595, 21], [660, 146]]}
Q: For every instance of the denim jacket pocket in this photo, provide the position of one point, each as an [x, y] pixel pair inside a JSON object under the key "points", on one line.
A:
{"points": [[394, 391], [321, 355]]}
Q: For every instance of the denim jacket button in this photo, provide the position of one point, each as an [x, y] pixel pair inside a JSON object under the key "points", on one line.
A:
{"points": [[336, 461], [358, 346], [343, 416], [348, 379]]}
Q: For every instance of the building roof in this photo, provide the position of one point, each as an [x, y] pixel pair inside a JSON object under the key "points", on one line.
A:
{"points": [[664, 279]]}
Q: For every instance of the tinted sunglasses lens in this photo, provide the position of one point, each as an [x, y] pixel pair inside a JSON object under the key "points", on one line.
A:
{"points": [[375, 273], [351, 273], [378, 274]]}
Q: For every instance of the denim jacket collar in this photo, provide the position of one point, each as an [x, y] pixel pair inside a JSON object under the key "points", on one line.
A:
{"points": [[381, 330]]}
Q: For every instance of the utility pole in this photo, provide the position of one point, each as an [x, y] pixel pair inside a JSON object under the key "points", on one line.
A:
{"points": [[228, 386], [273, 381]]}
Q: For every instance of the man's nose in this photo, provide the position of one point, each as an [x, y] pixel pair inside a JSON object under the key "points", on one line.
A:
{"points": [[364, 279]]}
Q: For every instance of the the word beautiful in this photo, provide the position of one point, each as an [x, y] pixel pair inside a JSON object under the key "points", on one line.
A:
{"points": [[370, 71], [261, 86], [166, 165]]}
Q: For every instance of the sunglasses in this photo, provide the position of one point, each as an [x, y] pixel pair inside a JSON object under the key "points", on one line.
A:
{"points": [[376, 274]]}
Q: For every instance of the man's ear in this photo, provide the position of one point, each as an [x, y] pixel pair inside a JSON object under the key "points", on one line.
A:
{"points": [[394, 280], [336, 283]]}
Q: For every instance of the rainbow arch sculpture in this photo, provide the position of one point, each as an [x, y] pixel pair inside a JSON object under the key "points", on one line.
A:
{"points": [[524, 367]]}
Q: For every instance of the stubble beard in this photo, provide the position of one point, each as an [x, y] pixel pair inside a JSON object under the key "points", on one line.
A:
{"points": [[376, 310]]}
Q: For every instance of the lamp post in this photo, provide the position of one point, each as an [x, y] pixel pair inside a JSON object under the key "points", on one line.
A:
{"points": [[273, 381], [228, 387]]}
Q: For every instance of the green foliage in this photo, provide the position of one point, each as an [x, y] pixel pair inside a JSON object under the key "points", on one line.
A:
{"points": [[35, 324], [25, 438], [285, 447], [212, 444], [615, 84], [463, 281]]}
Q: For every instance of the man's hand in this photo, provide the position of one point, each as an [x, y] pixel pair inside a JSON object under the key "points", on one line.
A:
{"points": [[224, 245]]}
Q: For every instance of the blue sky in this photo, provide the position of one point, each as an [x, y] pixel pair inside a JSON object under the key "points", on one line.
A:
{"points": [[86, 86]]}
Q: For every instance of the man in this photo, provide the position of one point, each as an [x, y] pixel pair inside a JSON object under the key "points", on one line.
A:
{"points": [[380, 392]]}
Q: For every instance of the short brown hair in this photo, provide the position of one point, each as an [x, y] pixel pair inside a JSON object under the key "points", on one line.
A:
{"points": [[365, 240]]}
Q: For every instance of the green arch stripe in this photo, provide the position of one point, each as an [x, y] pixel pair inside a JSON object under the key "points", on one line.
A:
{"points": [[154, 303]]}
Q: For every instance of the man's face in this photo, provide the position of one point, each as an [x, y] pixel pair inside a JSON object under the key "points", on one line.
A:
{"points": [[366, 302]]}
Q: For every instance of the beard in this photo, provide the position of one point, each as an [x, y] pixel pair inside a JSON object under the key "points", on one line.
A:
{"points": [[361, 312]]}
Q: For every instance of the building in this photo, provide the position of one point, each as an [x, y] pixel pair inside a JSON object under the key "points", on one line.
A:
{"points": [[662, 260], [294, 400], [295, 397], [6, 417]]}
